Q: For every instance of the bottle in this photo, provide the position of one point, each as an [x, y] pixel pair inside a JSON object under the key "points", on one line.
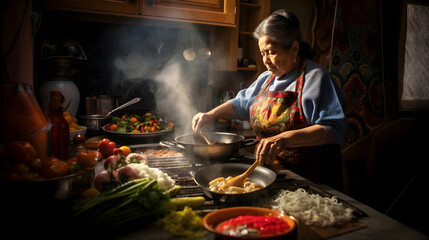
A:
{"points": [[60, 133], [240, 54]]}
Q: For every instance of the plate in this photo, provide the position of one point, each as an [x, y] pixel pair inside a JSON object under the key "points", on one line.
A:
{"points": [[212, 220], [137, 135]]}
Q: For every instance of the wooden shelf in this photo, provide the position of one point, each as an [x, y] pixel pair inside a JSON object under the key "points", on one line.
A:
{"points": [[245, 33]]}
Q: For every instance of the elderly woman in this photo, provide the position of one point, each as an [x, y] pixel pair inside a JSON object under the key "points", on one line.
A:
{"points": [[295, 108]]}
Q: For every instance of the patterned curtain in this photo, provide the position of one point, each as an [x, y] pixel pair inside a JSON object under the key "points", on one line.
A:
{"points": [[355, 60]]}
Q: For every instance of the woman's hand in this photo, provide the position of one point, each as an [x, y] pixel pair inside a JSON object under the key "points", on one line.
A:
{"points": [[201, 121], [269, 148]]}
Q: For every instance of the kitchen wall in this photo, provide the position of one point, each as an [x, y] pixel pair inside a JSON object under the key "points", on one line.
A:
{"points": [[16, 41], [130, 61]]}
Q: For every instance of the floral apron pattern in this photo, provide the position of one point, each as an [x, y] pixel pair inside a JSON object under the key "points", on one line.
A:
{"points": [[274, 112]]}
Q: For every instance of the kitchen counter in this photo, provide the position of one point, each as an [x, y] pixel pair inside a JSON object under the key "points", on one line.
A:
{"points": [[370, 225]]}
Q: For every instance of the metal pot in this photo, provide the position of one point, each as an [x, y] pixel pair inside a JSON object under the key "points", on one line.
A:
{"points": [[62, 188], [100, 104], [95, 122], [260, 175], [193, 146]]}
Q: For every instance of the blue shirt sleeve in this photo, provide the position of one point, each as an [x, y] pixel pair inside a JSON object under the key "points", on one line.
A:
{"points": [[322, 100], [245, 97]]}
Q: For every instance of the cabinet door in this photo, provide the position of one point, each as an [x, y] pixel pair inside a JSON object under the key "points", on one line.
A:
{"points": [[212, 11], [112, 6]]}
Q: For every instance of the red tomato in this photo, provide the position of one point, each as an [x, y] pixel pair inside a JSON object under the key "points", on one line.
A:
{"points": [[53, 167], [106, 147], [86, 158], [98, 156], [118, 151], [22, 151]]}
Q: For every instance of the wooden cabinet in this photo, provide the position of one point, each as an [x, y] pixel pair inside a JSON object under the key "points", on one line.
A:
{"points": [[249, 15], [216, 11], [131, 7], [211, 12]]}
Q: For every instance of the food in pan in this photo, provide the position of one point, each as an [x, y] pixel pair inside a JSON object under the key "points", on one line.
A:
{"points": [[247, 186], [134, 123], [313, 209], [161, 153]]}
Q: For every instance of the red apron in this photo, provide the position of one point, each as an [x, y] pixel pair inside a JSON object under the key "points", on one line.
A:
{"points": [[274, 112]]}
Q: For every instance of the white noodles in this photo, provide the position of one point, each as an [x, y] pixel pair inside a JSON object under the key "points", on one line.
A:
{"points": [[312, 209]]}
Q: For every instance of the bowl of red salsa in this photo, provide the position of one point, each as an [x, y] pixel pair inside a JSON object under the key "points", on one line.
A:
{"points": [[249, 223]]}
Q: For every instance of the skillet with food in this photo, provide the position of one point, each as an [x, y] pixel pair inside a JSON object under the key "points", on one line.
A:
{"points": [[261, 175]]}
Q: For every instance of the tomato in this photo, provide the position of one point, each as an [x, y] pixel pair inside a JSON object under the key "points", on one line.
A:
{"points": [[86, 158], [98, 156], [21, 168], [123, 117], [22, 151], [117, 151], [71, 160], [79, 138], [113, 127], [53, 167], [107, 127], [74, 167], [125, 150], [135, 131], [106, 147], [171, 125], [36, 165], [133, 119]]}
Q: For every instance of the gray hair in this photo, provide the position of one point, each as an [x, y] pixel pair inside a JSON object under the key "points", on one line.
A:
{"points": [[282, 26]]}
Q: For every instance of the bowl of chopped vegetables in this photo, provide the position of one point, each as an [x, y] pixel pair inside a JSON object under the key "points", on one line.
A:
{"points": [[249, 223], [138, 125]]}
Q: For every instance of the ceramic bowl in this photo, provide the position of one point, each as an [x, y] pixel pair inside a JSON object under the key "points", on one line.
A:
{"points": [[82, 131], [212, 220]]}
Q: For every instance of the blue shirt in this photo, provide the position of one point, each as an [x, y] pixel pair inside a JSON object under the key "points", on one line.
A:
{"points": [[322, 100]]}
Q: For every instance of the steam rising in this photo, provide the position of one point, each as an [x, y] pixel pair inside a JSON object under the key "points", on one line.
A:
{"points": [[175, 96], [175, 89]]}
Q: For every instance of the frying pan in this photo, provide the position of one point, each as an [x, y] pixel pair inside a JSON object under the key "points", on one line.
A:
{"points": [[194, 147], [260, 175]]}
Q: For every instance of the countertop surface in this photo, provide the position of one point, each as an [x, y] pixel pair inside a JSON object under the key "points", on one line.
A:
{"points": [[371, 225]]}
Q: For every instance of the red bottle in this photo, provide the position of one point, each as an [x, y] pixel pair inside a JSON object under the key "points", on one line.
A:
{"points": [[60, 133]]}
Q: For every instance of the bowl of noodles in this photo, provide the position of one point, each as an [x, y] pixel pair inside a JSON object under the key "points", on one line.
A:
{"points": [[211, 178]]}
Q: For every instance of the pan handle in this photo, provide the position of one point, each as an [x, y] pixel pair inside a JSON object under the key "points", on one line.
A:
{"points": [[250, 142], [172, 144]]}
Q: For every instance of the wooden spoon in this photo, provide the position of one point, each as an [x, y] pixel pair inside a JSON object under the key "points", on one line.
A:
{"points": [[237, 181], [208, 141]]}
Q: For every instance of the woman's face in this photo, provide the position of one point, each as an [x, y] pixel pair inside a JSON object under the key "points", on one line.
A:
{"points": [[279, 61]]}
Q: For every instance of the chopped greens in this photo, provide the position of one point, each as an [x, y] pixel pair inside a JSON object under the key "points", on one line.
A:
{"points": [[134, 123]]}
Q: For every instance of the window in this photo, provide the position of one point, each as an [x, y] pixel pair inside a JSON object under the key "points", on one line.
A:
{"points": [[413, 71]]}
